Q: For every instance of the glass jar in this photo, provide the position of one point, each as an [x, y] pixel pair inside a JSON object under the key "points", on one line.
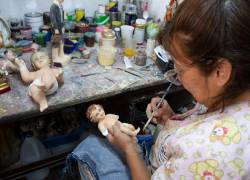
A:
{"points": [[106, 55], [108, 38], [139, 33], [89, 39]]}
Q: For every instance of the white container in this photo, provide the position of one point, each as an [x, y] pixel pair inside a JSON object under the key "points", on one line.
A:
{"points": [[140, 30], [33, 150], [106, 55], [150, 47], [34, 20], [108, 38], [127, 31], [108, 42]]}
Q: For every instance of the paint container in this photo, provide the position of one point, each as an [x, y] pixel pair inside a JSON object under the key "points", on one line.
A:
{"points": [[108, 38], [14, 22], [130, 14], [69, 26], [116, 24], [118, 35], [127, 36], [70, 16], [15, 32], [139, 33], [26, 31], [69, 45], [34, 20], [114, 16], [81, 28], [89, 39], [98, 33], [46, 18], [150, 47], [80, 14], [113, 5], [40, 38], [106, 55], [141, 58], [92, 27]]}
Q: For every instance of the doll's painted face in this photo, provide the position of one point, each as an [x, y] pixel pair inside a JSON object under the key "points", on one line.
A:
{"points": [[40, 60], [97, 114]]}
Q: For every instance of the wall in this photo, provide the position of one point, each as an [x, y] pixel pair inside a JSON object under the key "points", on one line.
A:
{"points": [[17, 8]]}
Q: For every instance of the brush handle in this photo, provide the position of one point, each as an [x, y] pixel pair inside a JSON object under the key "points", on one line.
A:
{"points": [[157, 106]]}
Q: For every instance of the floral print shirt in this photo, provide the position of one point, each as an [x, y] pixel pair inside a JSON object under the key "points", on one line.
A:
{"points": [[213, 146]]}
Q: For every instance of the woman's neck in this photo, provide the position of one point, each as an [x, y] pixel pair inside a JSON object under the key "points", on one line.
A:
{"points": [[245, 96]]}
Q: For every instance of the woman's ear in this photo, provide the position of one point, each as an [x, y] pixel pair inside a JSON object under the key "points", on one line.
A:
{"points": [[223, 72]]}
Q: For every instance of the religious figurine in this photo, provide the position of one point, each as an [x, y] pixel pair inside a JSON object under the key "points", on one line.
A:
{"points": [[95, 113], [7, 64], [57, 22], [44, 81]]}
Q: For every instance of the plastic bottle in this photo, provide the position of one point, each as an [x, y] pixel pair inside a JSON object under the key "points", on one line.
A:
{"points": [[33, 150]]}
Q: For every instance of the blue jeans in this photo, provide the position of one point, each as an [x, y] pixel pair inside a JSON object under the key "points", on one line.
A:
{"points": [[97, 159]]}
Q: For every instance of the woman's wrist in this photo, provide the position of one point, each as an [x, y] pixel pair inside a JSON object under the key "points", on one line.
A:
{"points": [[130, 149]]}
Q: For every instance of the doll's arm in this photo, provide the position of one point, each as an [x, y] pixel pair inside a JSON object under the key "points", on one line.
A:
{"points": [[25, 74], [112, 116], [103, 129]]}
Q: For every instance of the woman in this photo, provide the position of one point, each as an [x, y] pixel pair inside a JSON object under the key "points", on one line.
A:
{"points": [[209, 42]]}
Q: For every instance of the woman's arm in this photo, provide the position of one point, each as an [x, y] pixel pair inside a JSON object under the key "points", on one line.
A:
{"points": [[136, 165], [128, 145]]}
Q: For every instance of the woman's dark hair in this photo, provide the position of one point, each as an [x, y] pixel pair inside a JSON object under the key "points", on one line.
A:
{"points": [[209, 30]]}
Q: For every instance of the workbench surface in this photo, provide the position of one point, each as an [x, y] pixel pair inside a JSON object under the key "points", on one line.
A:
{"points": [[82, 83]]}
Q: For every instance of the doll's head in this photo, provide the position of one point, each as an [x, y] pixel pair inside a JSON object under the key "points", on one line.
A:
{"points": [[95, 113], [40, 60]]}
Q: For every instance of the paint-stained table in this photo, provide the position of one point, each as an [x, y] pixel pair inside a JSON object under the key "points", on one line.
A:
{"points": [[84, 82]]}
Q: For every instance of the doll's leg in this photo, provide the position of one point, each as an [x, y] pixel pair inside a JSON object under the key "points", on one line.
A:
{"points": [[128, 131], [132, 129], [130, 126], [38, 96], [64, 58]]}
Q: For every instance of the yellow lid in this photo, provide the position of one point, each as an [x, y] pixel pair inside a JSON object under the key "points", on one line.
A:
{"points": [[116, 23], [109, 34]]}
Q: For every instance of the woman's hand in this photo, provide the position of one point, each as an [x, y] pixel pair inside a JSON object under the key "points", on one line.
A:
{"points": [[161, 115], [121, 140]]}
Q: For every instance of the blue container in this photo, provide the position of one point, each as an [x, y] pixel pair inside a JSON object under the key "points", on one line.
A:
{"points": [[55, 141], [69, 46], [145, 142]]}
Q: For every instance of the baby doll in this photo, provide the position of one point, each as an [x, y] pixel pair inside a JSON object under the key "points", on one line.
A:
{"points": [[44, 81], [95, 113]]}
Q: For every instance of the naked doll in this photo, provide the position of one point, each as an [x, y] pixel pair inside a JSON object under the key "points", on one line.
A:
{"points": [[44, 80], [95, 113]]}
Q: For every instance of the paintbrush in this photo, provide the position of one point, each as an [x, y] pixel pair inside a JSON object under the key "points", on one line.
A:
{"points": [[157, 106]]}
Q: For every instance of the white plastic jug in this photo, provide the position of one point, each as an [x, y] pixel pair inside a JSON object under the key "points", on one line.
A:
{"points": [[33, 150]]}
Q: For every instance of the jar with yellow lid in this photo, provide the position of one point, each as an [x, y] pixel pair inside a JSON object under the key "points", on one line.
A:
{"points": [[116, 24], [108, 38]]}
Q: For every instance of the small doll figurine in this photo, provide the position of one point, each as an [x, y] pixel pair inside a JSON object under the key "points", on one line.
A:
{"points": [[57, 22], [44, 81], [7, 64], [95, 113]]}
